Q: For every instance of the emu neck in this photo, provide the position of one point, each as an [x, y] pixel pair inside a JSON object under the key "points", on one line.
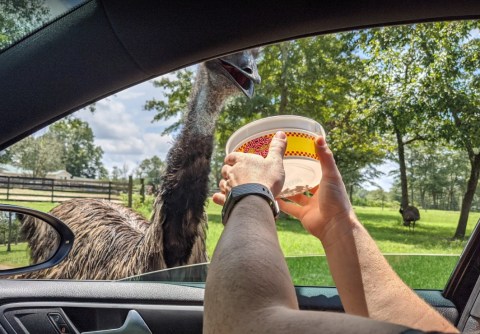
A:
{"points": [[179, 208]]}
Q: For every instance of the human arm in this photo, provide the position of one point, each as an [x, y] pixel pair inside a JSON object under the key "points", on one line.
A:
{"points": [[367, 284], [249, 288]]}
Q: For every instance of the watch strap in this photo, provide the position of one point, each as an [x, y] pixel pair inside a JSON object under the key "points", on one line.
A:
{"points": [[239, 192]]}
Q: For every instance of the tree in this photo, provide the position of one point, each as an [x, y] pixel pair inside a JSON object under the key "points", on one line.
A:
{"points": [[39, 155], [5, 156], [436, 175], [20, 17], [177, 91], [116, 173], [80, 156], [152, 169], [394, 67], [451, 94]]}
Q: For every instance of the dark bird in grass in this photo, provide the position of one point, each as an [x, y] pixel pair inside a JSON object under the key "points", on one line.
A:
{"points": [[410, 215]]}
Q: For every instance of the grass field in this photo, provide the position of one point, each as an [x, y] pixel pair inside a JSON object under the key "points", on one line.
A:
{"points": [[432, 236], [40, 206], [419, 269], [17, 257]]}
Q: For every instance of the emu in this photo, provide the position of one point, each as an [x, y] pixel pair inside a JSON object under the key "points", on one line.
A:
{"points": [[113, 242], [410, 215]]}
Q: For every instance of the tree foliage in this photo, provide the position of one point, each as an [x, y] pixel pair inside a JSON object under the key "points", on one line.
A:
{"points": [[67, 144], [177, 89], [39, 155], [423, 81], [151, 169], [20, 17], [79, 154], [451, 96], [437, 176]]}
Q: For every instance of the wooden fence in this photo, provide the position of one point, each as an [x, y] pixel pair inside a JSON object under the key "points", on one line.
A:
{"points": [[54, 190]]}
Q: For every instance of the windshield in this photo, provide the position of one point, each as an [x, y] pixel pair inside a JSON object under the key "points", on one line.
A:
{"points": [[19, 18]]}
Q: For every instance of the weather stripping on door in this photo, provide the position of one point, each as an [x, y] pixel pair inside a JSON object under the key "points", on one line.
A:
{"points": [[134, 324]]}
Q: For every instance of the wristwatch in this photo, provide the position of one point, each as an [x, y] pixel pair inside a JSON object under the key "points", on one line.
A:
{"points": [[239, 192]]}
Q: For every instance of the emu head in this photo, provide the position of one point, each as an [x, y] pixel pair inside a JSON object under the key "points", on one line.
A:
{"points": [[235, 73]]}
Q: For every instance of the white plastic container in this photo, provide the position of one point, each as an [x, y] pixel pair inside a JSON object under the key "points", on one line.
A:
{"points": [[302, 168]]}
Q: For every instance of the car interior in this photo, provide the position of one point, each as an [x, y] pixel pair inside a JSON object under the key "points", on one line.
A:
{"points": [[100, 47]]}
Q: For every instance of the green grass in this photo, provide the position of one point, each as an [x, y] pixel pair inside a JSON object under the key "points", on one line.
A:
{"points": [[418, 271], [17, 257], [40, 206], [432, 235]]}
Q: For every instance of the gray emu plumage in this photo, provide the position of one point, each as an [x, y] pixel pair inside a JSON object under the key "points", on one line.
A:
{"points": [[113, 242], [410, 215]]}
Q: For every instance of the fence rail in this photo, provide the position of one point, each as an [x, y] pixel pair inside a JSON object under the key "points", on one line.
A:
{"points": [[17, 188]]}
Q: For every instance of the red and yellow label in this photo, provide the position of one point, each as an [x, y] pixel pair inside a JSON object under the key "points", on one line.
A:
{"points": [[298, 145]]}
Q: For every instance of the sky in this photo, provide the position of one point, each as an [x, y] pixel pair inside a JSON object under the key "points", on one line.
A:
{"points": [[125, 130]]}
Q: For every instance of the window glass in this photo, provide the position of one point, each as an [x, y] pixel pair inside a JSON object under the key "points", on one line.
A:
{"points": [[18, 18], [400, 107]]}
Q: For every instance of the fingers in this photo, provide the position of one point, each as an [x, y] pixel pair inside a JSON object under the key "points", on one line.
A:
{"points": [[327, 161], [300, 199], [224, 186], [232, 158], [291, 209], [278, 146], [225, 171], [219, 198]]}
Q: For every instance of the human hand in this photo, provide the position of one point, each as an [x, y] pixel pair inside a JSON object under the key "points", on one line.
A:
{"points": [[241, 168], [329, 201]]}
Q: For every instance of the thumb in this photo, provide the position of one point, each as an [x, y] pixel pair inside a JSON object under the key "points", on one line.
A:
{"points": [[278, 145], [327, 161]]}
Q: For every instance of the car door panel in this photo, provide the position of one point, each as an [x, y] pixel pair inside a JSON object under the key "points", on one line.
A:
{"points": [[89, 306]]}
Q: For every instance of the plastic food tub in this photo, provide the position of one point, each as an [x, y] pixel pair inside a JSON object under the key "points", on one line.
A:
{"points": [[302, 168]]}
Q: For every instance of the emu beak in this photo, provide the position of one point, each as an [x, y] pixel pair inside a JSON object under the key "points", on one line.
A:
{"points": [[244, 77]]}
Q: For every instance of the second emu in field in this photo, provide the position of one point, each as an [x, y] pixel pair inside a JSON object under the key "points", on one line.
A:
{"points": [[410, 215]]}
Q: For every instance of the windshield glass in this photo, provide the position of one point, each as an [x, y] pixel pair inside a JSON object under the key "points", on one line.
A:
{"points": [[18, 18]]}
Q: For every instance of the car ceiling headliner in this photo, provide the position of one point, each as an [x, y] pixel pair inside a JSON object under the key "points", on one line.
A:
{"points": [[105, 46]]}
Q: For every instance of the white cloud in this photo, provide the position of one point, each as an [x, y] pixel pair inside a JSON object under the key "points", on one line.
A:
{"points": [[125, 146], [130, 95], [125, 133], [111, 120]]}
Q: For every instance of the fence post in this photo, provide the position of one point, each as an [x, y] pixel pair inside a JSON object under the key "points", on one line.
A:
{"points": [[53, 188], [130, 190], [8, 187], [142, 190], [110, 190]]}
